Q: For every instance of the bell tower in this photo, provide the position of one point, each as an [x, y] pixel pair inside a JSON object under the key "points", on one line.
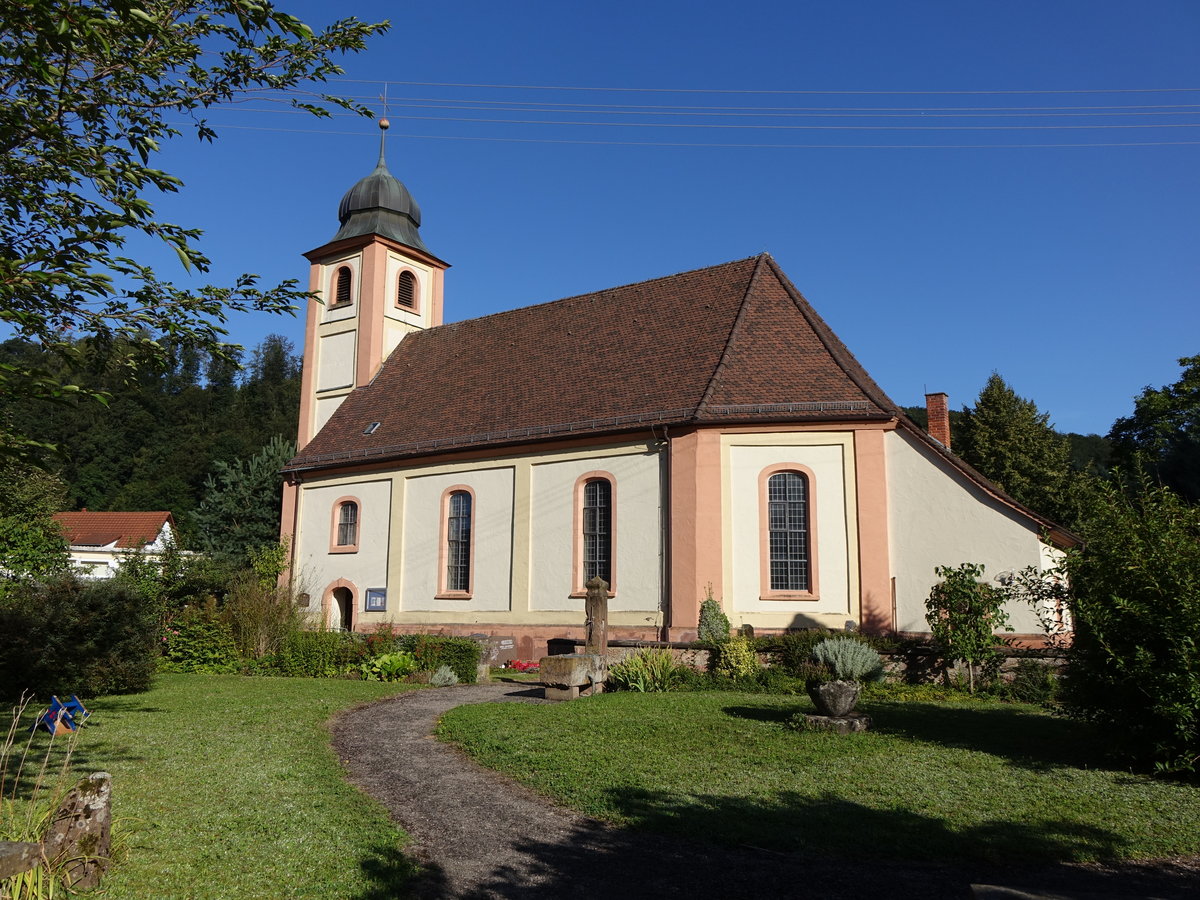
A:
{"points": [[376, 282]]}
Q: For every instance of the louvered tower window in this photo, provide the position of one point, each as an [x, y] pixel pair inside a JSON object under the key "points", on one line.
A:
{"points": [[406, 291], [787, 517], [341, 293]]}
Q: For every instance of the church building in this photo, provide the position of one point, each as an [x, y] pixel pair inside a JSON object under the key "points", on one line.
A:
{"points": [[701, 434]]}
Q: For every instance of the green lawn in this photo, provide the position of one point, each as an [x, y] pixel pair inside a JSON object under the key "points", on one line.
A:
{"points": [[969, 781], [226, 787]]}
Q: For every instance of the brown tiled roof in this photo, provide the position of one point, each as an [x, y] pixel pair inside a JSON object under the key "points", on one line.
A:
{"points": [[99, 529], [731, 343]]}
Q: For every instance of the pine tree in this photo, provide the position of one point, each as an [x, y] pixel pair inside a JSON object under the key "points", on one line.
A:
{"points": [[1007, 439]]}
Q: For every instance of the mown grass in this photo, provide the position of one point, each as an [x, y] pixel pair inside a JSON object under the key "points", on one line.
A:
{"points": [[225, 786], [970, 781]]}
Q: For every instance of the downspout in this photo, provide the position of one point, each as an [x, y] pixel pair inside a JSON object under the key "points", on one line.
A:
{"points": [[665, 580]]}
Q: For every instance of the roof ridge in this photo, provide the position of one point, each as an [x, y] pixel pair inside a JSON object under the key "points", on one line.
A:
{"points": [[618, 287], [711, 387], [838, 351]]}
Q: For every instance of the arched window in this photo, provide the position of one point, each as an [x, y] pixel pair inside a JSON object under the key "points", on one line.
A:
{"points": [[597, 530], [457, 542], [406, 290], [788, 531], [345, 525], [341, 293]]}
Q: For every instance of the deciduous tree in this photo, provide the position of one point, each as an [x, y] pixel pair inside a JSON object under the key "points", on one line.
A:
{"points": [[89, 90]]}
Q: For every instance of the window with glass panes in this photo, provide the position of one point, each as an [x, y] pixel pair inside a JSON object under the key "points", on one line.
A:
{"points": [[597, 530], [458, 542], [787, 524]]}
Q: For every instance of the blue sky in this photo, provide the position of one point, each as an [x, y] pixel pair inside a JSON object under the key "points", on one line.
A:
{"points": [[925, 218]]}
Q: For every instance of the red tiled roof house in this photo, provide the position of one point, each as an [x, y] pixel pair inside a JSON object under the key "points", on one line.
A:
{"points": [[99, 540]]}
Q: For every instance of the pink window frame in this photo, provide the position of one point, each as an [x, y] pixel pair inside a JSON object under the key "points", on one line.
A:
{"points": [[335, 516], [577, 583], [416, 307], [444, 593], [764, 535]]}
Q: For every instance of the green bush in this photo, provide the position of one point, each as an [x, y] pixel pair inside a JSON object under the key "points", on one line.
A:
{"points": [[735, 658], [848, 659], [199, 640], [317, 654], [1033, 682], [792, 650], [261, 615], [388, 666], [714, 624], [964, 614], [1134, 665], [74, 637], [650, 670], [444, 677], [432, 651]]}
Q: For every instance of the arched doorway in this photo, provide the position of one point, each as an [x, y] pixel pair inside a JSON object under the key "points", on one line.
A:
{"points": [[341, 613]]}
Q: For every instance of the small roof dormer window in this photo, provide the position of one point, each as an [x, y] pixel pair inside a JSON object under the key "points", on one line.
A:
{"points": [[372, 428]]}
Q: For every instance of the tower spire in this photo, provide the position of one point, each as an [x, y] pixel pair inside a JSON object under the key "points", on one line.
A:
{"points": [[384, 124]]}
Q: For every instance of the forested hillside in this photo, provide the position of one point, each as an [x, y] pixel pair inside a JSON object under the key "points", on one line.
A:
{"points": [[157, 440]]}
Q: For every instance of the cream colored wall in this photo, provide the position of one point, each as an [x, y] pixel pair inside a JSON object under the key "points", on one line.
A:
{"points": [[335, 360], [830, 458], [937, 517], [420, 543], [637, 530], [326, 407], [328, 287], [316, 568]]}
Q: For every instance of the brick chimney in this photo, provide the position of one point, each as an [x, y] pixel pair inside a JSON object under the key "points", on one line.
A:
{"points": [[939, 418]]}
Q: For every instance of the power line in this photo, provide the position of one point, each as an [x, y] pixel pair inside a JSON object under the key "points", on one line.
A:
{"points": [[545, 87]]}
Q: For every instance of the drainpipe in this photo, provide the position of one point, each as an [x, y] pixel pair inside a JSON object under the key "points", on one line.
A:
{"points": [[665, 580]]}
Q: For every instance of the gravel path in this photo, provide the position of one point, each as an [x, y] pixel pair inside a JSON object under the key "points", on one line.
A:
{"points": [[479, 834]]}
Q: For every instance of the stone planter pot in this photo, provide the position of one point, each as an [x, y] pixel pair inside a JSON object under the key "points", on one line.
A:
{"points": [[835, 698]]}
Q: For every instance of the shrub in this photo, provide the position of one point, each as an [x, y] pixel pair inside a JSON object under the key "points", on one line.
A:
{"points": [[261, 615], [714, 624], [1134, 665], [1033, 682], [199, 640], [389, 667], [444, 677], [848, 659], [319, 654], [432, 651], [73, 637], [792, 651], [963, 614], [735, 658], [650, 670]]}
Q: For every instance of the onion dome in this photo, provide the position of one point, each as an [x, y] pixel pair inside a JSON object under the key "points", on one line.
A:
{"points": [[381, 204]]}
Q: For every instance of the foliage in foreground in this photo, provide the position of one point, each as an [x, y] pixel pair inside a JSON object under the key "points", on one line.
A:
{"points": [[92, 90], [848, 659], [650, 670], [1135, 661], [936, 782], [713, 625]]}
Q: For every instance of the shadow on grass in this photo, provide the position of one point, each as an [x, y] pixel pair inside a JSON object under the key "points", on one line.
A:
{"points": [[1020, 737], [392, 874], [847, 850]]}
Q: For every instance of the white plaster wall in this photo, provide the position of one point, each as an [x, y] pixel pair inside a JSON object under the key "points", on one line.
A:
{"points": [[937, 517], [335, 360], [329, 288], [424, 276], [637, 532], [326, 407], [493, 535], [316, 567], [827, 463]]}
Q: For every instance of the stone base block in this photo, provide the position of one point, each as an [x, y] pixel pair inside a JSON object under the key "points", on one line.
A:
{"points": [[846, 724], [573, 669], [562, 693]]}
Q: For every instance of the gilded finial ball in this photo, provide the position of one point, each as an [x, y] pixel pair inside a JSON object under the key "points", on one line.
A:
{"points": [[384, 124]]}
